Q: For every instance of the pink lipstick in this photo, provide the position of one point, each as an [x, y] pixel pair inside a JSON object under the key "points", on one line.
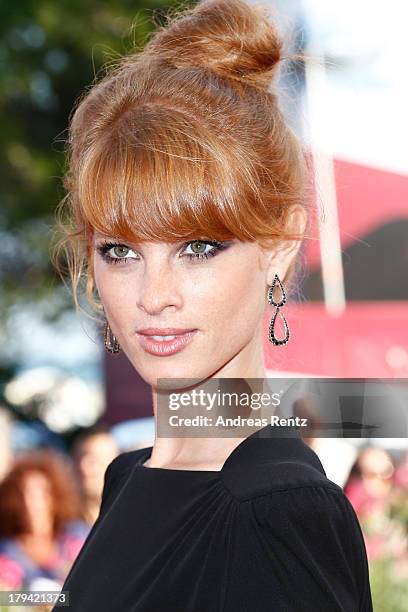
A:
{"points": [[165, 341]]}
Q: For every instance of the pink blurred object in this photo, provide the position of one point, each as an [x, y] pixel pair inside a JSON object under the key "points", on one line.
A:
{"points": [[11, 574], [363, 502], [368, 340]]}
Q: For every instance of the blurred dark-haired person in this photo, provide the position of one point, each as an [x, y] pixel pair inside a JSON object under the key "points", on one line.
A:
{"points": [[41, 531], [92, 451], [373, 490], [370, 480]]}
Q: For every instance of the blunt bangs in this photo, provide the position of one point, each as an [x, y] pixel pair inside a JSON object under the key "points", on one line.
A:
{"points": [[153, 179]]}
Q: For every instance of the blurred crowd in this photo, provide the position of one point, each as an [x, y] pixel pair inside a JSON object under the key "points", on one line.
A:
{"points": [[50, 499], [377, 487]]}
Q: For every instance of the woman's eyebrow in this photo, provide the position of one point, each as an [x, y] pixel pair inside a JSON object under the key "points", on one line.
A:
{"points": [[100, 235], [171, 245], [110, 237]]}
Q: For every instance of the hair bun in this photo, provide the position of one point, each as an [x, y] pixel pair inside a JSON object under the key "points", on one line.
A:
{"points": [[229, 37]]}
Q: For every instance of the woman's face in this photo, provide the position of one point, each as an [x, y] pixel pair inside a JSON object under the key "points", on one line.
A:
{"points": [[37, 497], [163, 285]]}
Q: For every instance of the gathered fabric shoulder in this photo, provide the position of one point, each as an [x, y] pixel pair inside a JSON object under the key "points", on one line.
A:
{"points": [[116, 474], [263, 465], [309, 539]]}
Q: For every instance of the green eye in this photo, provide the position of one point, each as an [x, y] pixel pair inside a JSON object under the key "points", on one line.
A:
{"points": [[197, 250], [118, 250], [200, 248]]}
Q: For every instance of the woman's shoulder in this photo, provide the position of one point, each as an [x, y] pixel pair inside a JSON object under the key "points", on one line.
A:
{"points": [[127, 459], [307, 522], [118, 470], [269, 465]]}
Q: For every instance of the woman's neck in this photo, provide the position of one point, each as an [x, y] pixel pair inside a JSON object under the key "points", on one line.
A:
{"points": [[203, 452]]}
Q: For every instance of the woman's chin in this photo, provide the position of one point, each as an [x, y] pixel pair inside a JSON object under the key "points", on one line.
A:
{"points": [[173, 377]]}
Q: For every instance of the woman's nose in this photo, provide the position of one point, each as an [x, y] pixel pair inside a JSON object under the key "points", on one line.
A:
{"points": [[159, 289]]}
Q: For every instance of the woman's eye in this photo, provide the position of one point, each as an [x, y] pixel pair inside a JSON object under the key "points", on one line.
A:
{"points": [[114, 253], [199, 249]]}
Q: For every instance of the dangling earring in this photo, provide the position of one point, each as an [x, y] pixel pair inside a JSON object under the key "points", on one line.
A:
{"points": [[111, 343], [271, 335]]}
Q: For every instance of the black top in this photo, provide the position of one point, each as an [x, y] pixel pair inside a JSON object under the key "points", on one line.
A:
{"points": [[268, 532]]}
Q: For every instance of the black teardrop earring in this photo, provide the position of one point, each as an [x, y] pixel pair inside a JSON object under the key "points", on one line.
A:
{"points": [[111, 343], [271, 335]]}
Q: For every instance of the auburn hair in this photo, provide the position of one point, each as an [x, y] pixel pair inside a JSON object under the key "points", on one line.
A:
{"points": [[65, 495], [184, 139]]}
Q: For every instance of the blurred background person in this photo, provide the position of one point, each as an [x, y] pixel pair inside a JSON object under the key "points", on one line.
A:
{"points": [[370, 480], [379, 495], [92, 451], [336, 454], [41, 531]]}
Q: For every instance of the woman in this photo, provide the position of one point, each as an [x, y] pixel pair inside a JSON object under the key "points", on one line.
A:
{"points": [[40, 528], [186, 201]]}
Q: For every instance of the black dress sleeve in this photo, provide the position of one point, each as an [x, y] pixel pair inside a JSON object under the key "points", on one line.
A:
{"points": [[314, 533], [116, 471], [115, 475], [109, 479]]}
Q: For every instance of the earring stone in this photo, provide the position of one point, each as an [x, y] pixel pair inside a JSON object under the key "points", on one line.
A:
{"points": [[271, 335]]}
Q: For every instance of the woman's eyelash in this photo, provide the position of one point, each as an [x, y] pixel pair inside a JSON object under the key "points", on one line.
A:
{"points": [[104, 248], [216, 247]]}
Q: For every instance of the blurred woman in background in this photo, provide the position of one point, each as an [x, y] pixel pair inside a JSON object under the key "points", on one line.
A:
{"points": [[378, 497], [92, 451], [41, 531], [370, 481]]}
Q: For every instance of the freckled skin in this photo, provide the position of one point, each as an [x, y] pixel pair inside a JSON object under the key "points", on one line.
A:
{"points": [[224, 297]]}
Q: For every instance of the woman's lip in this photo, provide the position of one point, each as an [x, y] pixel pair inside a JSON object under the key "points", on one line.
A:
{"points": [[162, 348], [164, 331]]}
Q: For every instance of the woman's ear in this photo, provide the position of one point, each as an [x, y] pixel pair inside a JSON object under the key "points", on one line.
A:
{"points": [[281, 253]]}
